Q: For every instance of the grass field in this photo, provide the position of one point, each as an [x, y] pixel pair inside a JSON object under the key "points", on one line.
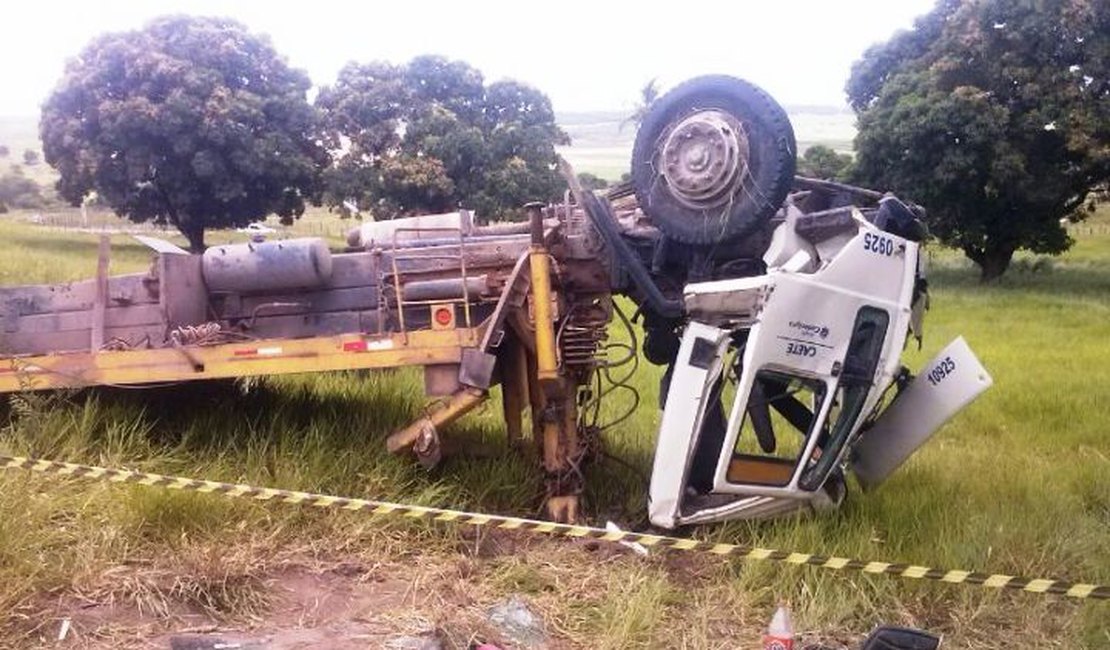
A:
{"points": [[1019, 483]]}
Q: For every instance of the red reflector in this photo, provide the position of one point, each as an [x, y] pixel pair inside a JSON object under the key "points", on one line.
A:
{"points": [[246, 353], [443, 316], [355, 346]]}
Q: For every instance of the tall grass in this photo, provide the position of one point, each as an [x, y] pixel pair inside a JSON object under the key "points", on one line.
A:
{"points": [[1019, 483]]}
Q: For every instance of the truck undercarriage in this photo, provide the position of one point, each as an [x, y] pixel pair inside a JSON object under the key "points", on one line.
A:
{"points": [[794, 296]]}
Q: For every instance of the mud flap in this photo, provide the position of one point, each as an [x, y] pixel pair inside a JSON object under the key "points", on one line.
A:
{"points": [[951, 381]]}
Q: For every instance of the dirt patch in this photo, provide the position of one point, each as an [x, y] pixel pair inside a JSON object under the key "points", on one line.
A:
{"points": [[342, 605], [454, 596]]}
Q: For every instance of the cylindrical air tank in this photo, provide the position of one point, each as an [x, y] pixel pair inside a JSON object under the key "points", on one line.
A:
{"points": [[266, 266]]}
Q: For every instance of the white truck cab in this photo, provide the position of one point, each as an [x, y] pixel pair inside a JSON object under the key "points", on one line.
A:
{"points": [[809, 351]]}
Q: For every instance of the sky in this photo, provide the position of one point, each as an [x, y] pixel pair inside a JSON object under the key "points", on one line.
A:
{"points": [[584, 55]]}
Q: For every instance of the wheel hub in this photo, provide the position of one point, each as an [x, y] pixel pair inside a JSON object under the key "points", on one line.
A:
{"points": [[705, 159]]}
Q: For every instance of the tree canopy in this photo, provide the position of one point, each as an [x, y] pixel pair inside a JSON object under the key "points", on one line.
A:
{"points": [[591, 182], [17, 191], [821, 161], [649, 92], [431, 136], [995, 115], [190, 121]]}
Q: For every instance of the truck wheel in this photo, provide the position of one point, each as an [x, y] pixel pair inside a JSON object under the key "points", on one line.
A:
{"points": [[713, 160]]}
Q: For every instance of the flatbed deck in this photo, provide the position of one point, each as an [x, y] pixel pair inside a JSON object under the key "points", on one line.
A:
{"points": [[237, 359]]}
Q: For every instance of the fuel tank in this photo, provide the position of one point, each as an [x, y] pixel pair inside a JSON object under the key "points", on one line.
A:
{"points": [[266, 266]]}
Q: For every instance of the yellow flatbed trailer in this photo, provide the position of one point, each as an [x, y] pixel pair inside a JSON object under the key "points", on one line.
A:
{"points": [[472, 306], [239, 359]]}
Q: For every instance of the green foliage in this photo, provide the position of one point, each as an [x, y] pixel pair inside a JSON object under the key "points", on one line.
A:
{"points": [[19, 192], [591, 182], [190, 121], [430, 136], [649, 92], [820, 161], [4, 151], [30, 157], [995, 115]]}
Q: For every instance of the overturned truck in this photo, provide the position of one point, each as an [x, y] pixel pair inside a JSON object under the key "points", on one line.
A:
{"points": [[793, 296]]}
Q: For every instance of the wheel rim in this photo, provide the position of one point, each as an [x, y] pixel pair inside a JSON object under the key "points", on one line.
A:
{"points": [[704, 159]]}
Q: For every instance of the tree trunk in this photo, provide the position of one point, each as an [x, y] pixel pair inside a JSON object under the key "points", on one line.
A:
{"points": [[195, 235], [992, 262]]}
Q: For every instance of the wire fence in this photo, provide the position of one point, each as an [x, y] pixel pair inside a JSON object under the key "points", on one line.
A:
{"points": [[313, 224], [1088, 229]]}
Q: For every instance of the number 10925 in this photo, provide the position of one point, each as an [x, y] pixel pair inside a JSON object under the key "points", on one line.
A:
{"points": [[942, 370]]}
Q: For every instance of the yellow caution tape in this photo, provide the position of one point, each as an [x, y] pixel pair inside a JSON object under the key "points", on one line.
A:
{"points": [[997, 581]]}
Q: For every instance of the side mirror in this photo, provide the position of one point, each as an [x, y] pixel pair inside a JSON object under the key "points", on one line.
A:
{"points": [[900, 638]]}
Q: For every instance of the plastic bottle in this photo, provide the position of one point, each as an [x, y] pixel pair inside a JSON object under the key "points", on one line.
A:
{"points": [[780, 633]]}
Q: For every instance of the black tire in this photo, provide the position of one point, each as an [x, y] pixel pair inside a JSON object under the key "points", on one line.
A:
{"points": [[771, 156]]}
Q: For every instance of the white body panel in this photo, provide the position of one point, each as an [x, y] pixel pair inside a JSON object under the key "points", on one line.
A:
{"points": [[814, 313], [948, 383], [686, 404]]}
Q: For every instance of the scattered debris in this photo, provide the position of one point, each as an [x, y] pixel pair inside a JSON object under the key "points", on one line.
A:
{"points": [[429, 641], [900, 638], [635, 546], [780, 633], [513, 619], [198, 642]]}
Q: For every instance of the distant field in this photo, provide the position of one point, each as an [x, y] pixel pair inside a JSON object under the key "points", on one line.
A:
{"points": [[601, 141], [19, 134], [1019, 483]]}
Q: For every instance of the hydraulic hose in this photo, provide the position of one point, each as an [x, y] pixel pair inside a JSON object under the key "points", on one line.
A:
{"points": [[606, 224]]}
